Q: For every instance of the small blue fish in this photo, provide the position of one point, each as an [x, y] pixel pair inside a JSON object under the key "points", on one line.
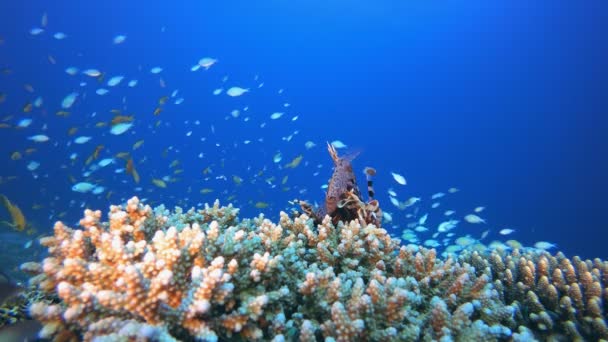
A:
{"points": [[39, 138], [60, 36], [120, 128], [23, 123], [69, 100], [119, 39], [33, 165], [83, 187], [114, 81], [82, 140]]}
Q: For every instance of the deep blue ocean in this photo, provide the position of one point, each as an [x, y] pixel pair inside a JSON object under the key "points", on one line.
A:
{"points": [[507, 101]]}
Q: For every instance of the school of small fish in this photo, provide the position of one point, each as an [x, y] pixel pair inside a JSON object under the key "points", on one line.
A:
{"points": [[102, 154]]}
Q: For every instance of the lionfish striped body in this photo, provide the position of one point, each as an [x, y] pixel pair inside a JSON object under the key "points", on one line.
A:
{"points": [[343, 198]]}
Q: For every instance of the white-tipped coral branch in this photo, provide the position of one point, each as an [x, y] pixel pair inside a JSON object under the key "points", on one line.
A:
{"points": [[204, 275]]}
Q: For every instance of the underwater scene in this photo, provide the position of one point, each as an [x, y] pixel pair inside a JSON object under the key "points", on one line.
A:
{"points": [[279, 170]]}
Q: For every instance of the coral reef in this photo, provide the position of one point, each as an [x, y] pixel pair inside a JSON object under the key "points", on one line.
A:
{"points": [[555, 296], [206, 275], [16, 308]]}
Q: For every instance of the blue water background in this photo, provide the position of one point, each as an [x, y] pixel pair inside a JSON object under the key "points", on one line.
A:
{"points": [[505, 100]]}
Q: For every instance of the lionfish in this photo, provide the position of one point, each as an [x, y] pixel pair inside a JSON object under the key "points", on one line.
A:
{"points": [[343, 198]]}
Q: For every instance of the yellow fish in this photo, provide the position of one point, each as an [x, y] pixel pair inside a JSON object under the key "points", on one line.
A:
{"points": [[157, 111], [138, 144], [159, 183], [261, 205], [17, 217], [295, 162], [16, 155], [206, 191], [122, 155], [163, 100]]}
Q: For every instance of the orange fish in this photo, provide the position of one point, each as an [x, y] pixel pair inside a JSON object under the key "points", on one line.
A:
{"points": [[95, 154], [132, 171], [121, 118], [27, 107]]}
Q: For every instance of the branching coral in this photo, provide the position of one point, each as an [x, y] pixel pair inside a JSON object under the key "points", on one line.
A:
{"points": [[554, 296], [205, 275]]}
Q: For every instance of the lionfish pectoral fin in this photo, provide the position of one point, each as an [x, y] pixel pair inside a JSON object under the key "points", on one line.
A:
{"points": [[343, 202]]}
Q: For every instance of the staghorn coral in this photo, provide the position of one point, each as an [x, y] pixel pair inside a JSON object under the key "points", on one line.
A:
{"points": [[204, 275], [555, 297]]}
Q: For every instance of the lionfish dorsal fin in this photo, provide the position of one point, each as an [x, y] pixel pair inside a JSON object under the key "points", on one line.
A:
{"points": [[332, 152]]}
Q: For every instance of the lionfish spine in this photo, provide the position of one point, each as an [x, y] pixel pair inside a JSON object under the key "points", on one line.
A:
{"points": [[369, 173]]}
